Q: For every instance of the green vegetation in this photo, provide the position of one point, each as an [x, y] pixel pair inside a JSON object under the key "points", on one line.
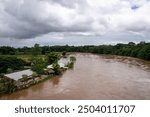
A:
{"points": [[70, 65], [140, 50], [8, 64], [64, 54], [35, 61], [52, 58], [9, 70], [36, 50], [34, 74], [2, 86], [6, 86], [38, 64], [72, 59], [12, 59], [57, 69], [24, 77]]}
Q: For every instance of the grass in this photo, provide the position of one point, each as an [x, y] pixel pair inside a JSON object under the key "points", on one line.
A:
{"points": [[26, 58], [29, 57]]}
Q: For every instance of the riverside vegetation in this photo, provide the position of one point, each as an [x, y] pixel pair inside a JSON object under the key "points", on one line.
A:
{"points": [[140, 50], [37, 58], [37, 63]]}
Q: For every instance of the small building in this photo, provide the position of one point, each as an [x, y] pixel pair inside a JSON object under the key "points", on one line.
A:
{"points": [[19, 84], [50, 66], [18, 75], [49, 71], [62, 66], [64, 61]]}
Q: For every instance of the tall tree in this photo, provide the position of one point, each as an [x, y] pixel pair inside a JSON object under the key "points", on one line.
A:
{"points": [[38, 64], [53, 58], [36, 50]]}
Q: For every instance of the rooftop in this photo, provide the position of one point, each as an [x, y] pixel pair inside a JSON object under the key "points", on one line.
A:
{"points": [[18, 75]]}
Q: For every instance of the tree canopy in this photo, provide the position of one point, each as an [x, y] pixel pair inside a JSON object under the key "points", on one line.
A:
{"points": [[52, 58], [140, 50], [38, 64], [8, 64]]}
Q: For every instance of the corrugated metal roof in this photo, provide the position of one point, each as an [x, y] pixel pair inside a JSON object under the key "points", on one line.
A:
{"points": [[60, 64], [18, 75], [64, 61], [50, 66]]}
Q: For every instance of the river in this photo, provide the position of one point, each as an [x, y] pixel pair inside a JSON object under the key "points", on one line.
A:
{"points": [[95, 77]]}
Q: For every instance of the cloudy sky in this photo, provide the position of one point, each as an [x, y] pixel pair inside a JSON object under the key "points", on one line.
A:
{"points": [[73, 22]]}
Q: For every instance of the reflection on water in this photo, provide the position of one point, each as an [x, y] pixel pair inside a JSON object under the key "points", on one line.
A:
{"points": [[95, 77], [55, 81]]}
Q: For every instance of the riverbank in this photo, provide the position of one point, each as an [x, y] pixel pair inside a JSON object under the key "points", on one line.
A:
{"points": [[94, 77], [38, 71], [28, 83]]}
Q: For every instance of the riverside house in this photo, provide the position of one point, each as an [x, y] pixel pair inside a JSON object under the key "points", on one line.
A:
{"points": [[17, 77], [20, 82], [62, 63]]}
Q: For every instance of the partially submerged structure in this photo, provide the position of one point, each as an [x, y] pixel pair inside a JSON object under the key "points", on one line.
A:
{"points": [[18, 75], [62, 63], [49, 71]]}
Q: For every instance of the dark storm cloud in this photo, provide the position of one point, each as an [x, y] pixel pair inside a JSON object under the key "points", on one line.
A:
{"points": [[31, 18]]}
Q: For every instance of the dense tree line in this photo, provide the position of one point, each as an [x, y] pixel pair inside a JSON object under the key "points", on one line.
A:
{"points": [[9, 64], [140, 50]]}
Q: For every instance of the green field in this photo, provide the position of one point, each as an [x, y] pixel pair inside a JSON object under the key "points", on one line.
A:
{"points": [[26, 58]]}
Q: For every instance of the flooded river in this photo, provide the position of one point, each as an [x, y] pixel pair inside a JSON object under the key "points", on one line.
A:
{"points": [[95, 77]]}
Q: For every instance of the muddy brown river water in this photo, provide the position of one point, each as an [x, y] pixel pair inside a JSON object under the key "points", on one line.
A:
{"points": [[95, 77]]}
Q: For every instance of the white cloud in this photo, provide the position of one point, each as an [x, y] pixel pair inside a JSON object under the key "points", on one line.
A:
{"points": [[21, 19]]}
